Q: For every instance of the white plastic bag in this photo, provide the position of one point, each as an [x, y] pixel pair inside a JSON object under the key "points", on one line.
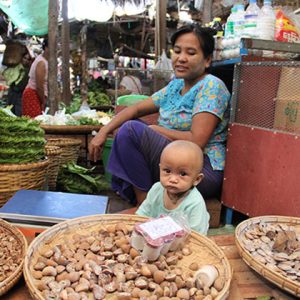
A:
{"points": [[164, 65]]}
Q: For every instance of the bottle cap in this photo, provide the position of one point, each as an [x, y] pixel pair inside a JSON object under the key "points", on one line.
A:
{"points": [[252, 1]]}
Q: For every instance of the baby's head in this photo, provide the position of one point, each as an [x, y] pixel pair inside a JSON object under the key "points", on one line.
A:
{"points": [[181, 163]]}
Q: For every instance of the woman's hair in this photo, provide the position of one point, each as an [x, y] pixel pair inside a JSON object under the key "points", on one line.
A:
{"points": [[204, 35], [45, 43]]}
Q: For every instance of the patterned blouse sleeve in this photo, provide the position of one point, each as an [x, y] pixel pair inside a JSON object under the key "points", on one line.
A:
{"points": [[212, 97]]}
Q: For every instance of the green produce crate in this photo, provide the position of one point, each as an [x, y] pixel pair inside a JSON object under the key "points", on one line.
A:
{"points": [[105, 157]]}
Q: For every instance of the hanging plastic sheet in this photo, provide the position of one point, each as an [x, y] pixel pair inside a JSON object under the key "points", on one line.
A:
{"points": [[30, 16]]}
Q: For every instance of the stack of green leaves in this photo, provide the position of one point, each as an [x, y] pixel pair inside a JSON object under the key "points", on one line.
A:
{"points": [[73, 178], [21, 139]]}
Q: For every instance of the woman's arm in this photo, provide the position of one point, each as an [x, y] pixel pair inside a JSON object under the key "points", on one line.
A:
{"points": [[203, 126], [40, 75], [131, 112]]}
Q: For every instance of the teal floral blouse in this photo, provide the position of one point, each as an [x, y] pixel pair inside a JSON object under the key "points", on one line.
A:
{"points": [[208, 95]]}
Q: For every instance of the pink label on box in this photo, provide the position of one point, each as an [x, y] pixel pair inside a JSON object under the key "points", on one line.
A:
{"points": [[160, 228]]}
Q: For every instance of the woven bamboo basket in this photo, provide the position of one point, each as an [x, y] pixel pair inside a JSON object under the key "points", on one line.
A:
{"points": [[12, 279], [70, 148], [283, 282], [53, 153], [204, 250], [15, 177]]}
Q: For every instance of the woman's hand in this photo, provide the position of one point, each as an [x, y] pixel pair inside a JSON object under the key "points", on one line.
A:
{"points": [[96, 145]]}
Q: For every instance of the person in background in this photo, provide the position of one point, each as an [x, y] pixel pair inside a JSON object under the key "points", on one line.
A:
{"points": [[180, 168], [194, 106], [35, 94], [16, 88], [130, 84]]}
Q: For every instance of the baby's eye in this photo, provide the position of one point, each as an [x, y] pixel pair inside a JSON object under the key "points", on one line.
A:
{"points": [[168, 171], [182, 173]]}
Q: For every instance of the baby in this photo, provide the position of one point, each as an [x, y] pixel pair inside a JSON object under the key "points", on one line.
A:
{"points": [[180, 166]]}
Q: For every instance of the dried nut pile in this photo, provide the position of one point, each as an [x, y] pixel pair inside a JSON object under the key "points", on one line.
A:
{"points": [[103, 263], [10, 254], [275, 245]]}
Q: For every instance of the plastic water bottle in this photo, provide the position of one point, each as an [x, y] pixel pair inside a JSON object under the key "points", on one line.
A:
{"points": [[239, 23], [229, 27], [251, 20], [267, 21]]}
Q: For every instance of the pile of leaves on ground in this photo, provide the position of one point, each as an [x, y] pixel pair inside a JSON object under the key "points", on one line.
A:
{"points": [[76, 179], [21, 139]]}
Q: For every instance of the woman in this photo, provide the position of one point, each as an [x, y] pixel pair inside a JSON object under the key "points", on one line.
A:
{"points": [[130, 84], [194, 106], [16, 89], [35, 94]]}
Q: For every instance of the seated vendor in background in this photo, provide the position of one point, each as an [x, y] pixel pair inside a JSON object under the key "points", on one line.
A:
{"points": [[130, 84], [194, 106]]}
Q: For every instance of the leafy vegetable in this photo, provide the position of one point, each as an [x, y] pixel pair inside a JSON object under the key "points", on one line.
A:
{"points": [[73, 178], [21, 139]]}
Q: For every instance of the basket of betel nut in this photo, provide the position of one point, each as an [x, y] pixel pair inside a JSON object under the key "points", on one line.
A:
{"points": [[270, 245], [94, 258], [13, 246]]}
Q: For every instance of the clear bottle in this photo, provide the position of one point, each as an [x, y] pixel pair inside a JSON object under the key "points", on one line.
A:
{"points": [[252, 15], [239, 24], [267, 21], [228, 41], [229, 27]]}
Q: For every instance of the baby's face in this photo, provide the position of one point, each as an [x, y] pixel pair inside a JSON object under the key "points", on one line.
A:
{"points": [[179, 171]]}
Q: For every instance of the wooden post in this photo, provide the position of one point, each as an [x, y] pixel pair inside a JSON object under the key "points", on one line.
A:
{"points": [[52, 63], [83, 87], [207, 13], [160, 27], [65, 49]]}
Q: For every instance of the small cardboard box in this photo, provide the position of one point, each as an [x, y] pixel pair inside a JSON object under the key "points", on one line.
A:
{"points": [[214, 207], [287, 109]]}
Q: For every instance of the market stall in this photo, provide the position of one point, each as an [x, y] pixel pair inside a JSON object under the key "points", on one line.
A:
{"points": [[127, 256]]}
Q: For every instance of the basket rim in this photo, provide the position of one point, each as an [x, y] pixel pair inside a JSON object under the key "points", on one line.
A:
{"points": [[53, 150], [276, 278], [75, 129], [55, 230], [62, 141], [10, 281], [24, 166]]}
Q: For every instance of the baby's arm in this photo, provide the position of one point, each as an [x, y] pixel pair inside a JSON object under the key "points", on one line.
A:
{"points": [[198, 217]]}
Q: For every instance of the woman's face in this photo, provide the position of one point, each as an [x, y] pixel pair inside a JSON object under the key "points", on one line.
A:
{"points": [[187, 59], [26, 60]]}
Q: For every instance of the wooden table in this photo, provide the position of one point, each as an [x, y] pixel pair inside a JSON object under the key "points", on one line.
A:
{"points": [[246, 284]]}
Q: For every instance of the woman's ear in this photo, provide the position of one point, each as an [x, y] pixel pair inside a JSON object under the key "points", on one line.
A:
{"points": [[208, 62], [198, 179]]}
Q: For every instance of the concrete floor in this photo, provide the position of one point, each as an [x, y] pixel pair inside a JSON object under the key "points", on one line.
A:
{"points": [[116, 203]]}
